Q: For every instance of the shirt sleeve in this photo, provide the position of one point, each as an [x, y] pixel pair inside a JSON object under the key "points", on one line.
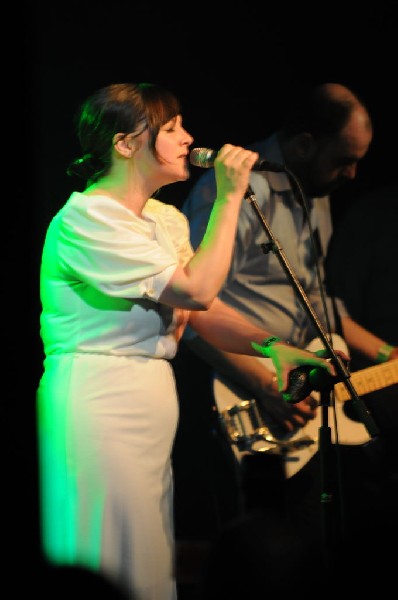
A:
{"points": [[178, 228]]}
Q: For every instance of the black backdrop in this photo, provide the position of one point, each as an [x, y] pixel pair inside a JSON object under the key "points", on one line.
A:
{"points": [[233, 66]]}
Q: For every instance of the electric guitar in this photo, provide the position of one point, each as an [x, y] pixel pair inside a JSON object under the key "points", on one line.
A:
{"points": [[250, 430]]}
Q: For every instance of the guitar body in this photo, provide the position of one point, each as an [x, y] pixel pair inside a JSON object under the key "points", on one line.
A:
{"points": [[250, 430]]}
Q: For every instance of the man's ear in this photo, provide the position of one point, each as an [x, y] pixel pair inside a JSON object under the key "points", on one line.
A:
{"points": [[123, 144], [304, 144]]}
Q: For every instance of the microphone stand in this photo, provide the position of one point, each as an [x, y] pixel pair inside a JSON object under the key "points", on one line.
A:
{"points": [[325, 442]]}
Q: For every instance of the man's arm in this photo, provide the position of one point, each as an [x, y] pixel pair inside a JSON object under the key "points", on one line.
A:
{"points": [[360, 339], [249, 372]]}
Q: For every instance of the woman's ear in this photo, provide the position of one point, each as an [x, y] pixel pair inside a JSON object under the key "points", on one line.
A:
{"points": [[123, 144]]}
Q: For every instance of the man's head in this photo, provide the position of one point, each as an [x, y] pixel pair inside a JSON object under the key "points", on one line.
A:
{"points": [[326, 133]]}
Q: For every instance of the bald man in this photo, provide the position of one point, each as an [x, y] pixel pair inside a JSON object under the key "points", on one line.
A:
{"points": [[326, 133]]}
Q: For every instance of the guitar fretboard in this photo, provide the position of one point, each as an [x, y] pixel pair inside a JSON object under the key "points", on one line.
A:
{"points": [[369, 380]]}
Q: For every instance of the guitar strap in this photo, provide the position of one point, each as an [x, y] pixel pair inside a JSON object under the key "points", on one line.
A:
{"points": [[320, 257], [268, 208], [337, 318]]}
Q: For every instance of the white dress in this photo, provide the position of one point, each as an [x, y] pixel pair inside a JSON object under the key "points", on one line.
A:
{"points": [[107, 402]]}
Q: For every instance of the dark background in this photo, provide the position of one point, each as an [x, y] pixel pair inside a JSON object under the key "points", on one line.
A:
{"points": [[233, 66]]}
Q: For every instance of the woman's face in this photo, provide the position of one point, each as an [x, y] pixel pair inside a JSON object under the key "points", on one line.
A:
{"points": [[172, 146]]}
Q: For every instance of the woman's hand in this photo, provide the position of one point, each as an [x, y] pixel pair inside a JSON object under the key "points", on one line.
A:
{"points": [[286, 358], [232, 166]]}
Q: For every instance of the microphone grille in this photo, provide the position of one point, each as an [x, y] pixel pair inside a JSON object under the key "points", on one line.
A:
{"points": [[202, 157]]}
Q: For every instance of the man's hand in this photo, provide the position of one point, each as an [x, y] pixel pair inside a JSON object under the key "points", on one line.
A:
{"points": [[284, 417]]}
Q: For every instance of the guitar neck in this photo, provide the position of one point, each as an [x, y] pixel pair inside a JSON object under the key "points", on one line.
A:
{"points": [[369, 380]]}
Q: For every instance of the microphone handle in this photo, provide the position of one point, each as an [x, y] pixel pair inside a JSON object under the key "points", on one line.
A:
{"points": [[304, 380], [299, 385], [205, 157]]}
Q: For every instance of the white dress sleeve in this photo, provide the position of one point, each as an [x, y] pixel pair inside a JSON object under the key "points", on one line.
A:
{"points": [[111, 249]]}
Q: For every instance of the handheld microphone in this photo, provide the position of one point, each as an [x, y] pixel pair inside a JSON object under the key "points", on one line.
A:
{"points": [[204, 158], [305, 379]]}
